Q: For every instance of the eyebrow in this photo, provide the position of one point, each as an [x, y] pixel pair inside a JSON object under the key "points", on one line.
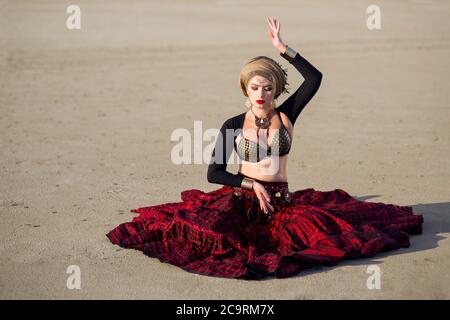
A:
{"points": [[255, 84]]}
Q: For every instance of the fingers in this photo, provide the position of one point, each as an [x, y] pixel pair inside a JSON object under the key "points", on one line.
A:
{"points": [[263, 198], [267, 207], [264, 203], [265, 195], [271, 23], [276, 25]]}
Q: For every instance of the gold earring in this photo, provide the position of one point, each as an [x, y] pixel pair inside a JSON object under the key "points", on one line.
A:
{"points": [[273, 104]]}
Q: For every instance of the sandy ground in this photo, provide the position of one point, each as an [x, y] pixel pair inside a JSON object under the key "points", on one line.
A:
{"points": [[86, 118]]}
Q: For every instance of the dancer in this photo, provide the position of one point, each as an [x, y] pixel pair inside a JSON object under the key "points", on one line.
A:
{"points": [[253, 226]]}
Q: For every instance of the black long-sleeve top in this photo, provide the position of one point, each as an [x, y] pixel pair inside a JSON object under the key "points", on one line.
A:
{"points": [[292, 107]]}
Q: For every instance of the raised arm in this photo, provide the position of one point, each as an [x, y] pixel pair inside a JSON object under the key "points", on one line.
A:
{"points": [[300, 98], [217, 169], [313, 77]]}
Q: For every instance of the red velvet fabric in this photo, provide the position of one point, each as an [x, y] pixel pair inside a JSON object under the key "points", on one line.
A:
{"points": [[221, 234]]}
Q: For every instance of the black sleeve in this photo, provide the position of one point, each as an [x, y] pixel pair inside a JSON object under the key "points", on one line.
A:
{"points": [[217, 172], [300, 98]]}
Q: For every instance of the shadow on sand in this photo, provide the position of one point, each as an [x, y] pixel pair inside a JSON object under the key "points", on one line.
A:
{"points": [[436, 218], [436, 222]]}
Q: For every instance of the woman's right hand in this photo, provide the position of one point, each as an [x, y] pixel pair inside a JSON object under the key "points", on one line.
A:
{"points": [[263, 197], [274, 34]]}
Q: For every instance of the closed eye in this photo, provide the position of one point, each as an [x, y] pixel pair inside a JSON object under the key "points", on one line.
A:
{"points": [[267, 89]]}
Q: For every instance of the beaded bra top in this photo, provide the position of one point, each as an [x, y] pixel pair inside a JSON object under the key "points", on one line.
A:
{"points": [[253, 152]]}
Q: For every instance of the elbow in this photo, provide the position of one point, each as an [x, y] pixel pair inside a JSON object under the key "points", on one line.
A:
{"points": [[314, 79], [318, 78], [210, 176]]}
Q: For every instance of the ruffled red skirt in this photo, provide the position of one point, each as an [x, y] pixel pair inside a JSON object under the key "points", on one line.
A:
{"points": [[224, 232]]}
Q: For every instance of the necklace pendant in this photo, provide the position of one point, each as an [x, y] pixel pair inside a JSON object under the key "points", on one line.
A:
{"points": [[262, 123]]}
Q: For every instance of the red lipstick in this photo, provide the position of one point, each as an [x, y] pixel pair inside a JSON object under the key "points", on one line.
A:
{"points": [[260, 101]]}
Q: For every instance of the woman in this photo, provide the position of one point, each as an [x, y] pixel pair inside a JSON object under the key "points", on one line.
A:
{"points": [[253, 226]]}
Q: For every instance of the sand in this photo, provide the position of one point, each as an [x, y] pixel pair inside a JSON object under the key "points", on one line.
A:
{"points": [[86, 118]]}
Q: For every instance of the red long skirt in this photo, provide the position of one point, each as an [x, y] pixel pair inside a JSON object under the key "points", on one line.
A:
{"points": [[224, 232]]}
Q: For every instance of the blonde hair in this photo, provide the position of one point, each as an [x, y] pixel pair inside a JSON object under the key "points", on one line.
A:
{"points": [[268, 68]]}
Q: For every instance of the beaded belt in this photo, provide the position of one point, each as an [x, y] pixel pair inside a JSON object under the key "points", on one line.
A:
{"points": [[278, 193]]}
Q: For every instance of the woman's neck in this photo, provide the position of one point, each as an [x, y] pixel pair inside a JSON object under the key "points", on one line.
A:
{"points": [[262, 112]]}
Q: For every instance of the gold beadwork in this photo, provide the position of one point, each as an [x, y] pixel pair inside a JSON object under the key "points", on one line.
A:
{"points": [[237, 193], [281, 145]]}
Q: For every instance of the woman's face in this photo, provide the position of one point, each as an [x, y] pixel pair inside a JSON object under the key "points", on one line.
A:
{"points": [[260, 92]]}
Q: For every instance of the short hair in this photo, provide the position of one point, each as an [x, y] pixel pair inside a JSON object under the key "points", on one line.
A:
{"points": [[268, 68]]}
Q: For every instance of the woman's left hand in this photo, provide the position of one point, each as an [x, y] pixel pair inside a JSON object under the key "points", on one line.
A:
{"points": [[274, 34]]}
